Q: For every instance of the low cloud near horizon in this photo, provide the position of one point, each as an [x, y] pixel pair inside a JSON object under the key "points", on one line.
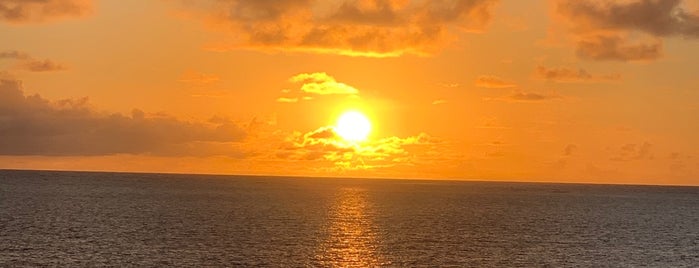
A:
{"points": [[33, 125], [323, 144]]}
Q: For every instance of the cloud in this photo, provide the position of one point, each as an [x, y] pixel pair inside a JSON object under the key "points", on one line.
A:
{"points": [[32, 125], [13, 54], [563, 161], [633, 151], [491, 81], [355, 27], [42, 66], [654, 17], [450, 85], [314, 145], [570, 75], [323, 144], [438, 102], [529, 96], [322, 84], [287, 100], [522, 96], [37, 11], [602, 47], [29, 63], [604, 29]]}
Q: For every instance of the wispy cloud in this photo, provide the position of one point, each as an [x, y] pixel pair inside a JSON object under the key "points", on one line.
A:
{"points": [[633, 151], [287, 100], [14, 54], [531, 96], [603, 47], [450, 85], [572, 75], [29, 63], [524, 96], [491, 81], [37, 11]]}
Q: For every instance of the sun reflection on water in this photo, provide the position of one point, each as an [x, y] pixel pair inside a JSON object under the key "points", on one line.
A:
{"points": [[352, 234]]}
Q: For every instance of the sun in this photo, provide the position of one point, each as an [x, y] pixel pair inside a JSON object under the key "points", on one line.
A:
{"points": [[353, 126]]}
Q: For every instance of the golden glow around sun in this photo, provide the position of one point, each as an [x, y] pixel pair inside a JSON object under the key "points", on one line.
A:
{"points": [[353, 126]]}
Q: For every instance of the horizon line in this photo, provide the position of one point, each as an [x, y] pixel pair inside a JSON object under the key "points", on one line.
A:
{"points": [[340, 177]]}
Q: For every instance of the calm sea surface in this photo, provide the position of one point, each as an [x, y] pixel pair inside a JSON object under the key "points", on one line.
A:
{"points": [[94, 219]]}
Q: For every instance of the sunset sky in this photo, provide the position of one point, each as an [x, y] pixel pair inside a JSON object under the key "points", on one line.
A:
{"points": [[561, 90]]}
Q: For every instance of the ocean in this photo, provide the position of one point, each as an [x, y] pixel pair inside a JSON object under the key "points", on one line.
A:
{"points": [[50, 218]]}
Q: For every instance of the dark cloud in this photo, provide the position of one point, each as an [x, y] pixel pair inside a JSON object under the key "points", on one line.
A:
{"points": [[603, 29], [29, 63], [654, 17], [572, 75], [32, 125], [379, 13], [353, 27], [35, 11]]}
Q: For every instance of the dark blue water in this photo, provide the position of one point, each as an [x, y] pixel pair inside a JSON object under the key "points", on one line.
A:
{"points": [[116, 219]]}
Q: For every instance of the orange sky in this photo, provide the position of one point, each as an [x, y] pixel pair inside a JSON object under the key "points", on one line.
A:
{"points": [[561, 90]]}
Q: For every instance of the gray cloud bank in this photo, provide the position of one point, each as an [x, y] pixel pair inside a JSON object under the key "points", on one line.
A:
{"points": [[32, 125]]}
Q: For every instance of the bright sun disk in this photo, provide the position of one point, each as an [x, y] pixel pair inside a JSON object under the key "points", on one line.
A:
{"points": [[353, 126]]}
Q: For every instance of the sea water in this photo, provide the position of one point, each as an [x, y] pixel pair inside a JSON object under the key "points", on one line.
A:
{"points": [[119, 219]]}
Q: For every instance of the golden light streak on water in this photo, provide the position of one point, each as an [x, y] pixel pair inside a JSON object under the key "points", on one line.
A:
{"points": [[352, 233]]}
